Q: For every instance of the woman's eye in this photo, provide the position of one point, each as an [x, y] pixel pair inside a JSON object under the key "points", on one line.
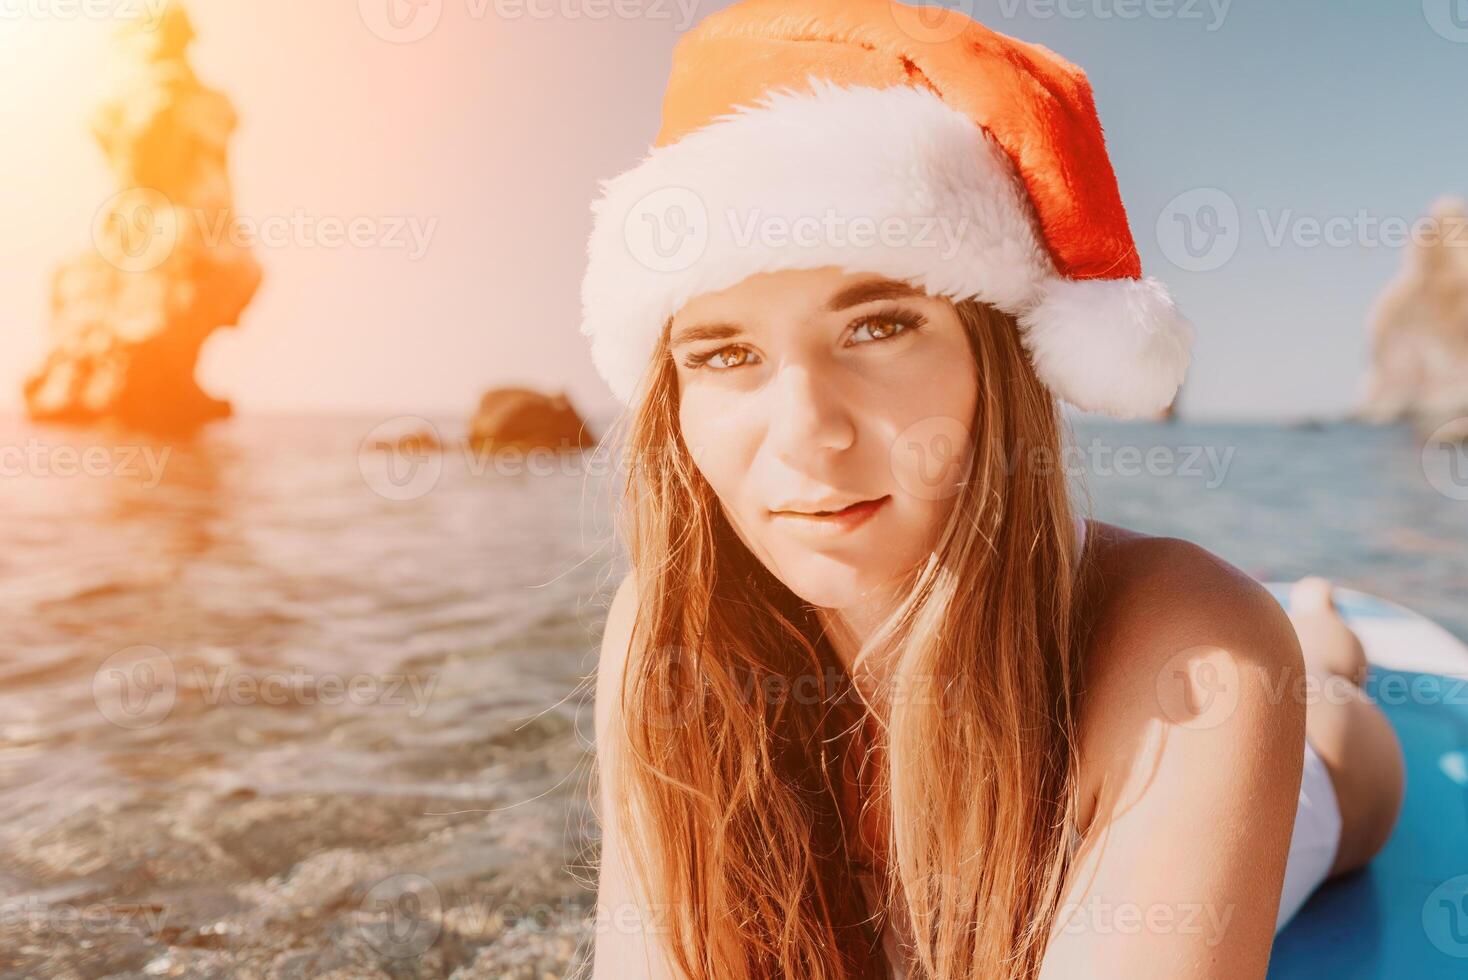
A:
{"points": [[883, 326], [876, 327], [735, 355]]}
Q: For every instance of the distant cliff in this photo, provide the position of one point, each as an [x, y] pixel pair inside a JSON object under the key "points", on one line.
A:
{"points": [[1419, 330], [128, 319]]}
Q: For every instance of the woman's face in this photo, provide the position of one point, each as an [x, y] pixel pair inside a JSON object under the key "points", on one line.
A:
{"points": [[810, 390]]}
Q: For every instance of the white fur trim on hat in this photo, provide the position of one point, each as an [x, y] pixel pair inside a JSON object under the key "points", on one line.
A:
{"points": [[892, 181], [1117, 346]]}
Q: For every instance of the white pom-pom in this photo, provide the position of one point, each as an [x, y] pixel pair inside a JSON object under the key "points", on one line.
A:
{"points": [[1117, 346]]}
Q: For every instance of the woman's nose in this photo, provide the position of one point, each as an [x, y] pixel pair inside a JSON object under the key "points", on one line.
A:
{"points": [[806, 415]]}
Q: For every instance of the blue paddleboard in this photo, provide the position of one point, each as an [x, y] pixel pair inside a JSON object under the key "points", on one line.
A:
{"points": [[1405, 914]]}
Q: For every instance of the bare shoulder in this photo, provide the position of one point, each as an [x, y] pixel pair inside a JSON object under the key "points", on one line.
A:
{"points": [[629, 928], [1156, 591], [1191, 748], [1173, 630], [616, 643]]}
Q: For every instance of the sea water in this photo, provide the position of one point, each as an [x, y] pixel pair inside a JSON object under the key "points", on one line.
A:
{"points": [[273, 702]]}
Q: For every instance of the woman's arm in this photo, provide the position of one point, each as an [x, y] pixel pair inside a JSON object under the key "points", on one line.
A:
{"points": [[627, 944], [1193, 739]]}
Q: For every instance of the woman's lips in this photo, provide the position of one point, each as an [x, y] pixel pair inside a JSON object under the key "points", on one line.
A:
{"points": [[846, 519]]}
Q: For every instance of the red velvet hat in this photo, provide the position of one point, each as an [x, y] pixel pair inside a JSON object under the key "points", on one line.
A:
{"points": [[880, 137]]}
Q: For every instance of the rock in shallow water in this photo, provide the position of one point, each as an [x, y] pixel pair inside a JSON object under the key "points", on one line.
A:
{"points": [[521, 418], [1420, 330], [128, 319]]}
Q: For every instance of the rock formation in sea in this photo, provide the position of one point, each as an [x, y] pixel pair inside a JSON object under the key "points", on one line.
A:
{"points": [[128, 318], [1169, 414], [522, 418], [1419, 330]]}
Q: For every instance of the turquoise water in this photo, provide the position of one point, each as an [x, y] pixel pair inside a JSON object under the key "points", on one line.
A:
{"points": [[1406, 913], [1356, 504], [236, 811]]}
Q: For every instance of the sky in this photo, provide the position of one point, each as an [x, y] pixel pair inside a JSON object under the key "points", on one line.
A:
{"points": [[1270, 156]]}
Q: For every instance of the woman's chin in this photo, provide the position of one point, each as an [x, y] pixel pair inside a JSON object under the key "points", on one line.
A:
{"points": [[833, 588], [841, 580]]}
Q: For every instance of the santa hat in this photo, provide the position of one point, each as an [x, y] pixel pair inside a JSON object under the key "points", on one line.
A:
{"points": [[879, 137]]}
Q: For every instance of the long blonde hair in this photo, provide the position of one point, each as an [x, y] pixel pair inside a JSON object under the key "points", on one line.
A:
{"points": [[729, 798]]}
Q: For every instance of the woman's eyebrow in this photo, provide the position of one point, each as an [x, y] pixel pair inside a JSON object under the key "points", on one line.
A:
{"points": [[706, 331], [866, 291], [870, 290]]}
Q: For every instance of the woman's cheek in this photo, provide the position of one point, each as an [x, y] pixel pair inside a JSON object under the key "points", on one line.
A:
{"points": [[929, 457], [716, 441], [697, 417]]}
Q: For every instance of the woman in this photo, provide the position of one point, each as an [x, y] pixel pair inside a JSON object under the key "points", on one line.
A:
{"points": [[873, 699]]}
